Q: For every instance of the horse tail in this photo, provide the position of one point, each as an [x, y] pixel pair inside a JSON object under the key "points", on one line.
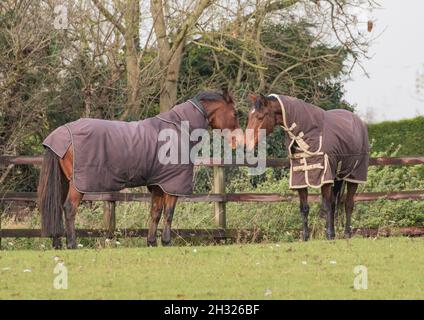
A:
{"points": [[338, 191], [50, 195], [338, 188]]}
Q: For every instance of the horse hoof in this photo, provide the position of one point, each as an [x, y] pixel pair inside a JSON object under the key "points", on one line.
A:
{"points": [[331, 236], [152, 243], [71, 246], [57, 244], [166, 243]]}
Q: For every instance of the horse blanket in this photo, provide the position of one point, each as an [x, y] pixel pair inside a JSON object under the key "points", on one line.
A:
{"points": [[323, 146], [113, 155]]}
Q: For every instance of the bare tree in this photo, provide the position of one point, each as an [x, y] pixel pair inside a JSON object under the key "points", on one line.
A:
{"points": [[130, 31], [171, 46], [334, 23], [28, 68]]}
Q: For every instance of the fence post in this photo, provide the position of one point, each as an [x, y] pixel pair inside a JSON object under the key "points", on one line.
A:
{"points": [[109, 218], [219, 187]]}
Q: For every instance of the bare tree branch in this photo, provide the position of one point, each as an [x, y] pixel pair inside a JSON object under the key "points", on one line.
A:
{"points": [[109, 16]]}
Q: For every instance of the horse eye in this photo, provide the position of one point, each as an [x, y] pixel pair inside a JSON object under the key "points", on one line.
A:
{"points": [[257, 115]]}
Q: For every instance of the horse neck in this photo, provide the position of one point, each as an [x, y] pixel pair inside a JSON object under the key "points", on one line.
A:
{"points": [[277, 114], [211, 108]]}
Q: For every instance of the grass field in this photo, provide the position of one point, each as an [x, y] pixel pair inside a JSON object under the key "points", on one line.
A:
{"points": [[313, 270]]}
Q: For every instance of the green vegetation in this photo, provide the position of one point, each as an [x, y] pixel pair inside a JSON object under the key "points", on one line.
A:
{"points": [[408, 134], [276, 221], [314, 270]]}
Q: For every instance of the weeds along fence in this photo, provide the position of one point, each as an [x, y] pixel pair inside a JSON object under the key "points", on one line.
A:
{"points": [[218, 196]]}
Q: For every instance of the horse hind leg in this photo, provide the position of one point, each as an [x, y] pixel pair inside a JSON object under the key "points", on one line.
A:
{"points": [[155, 214], [70, 207], [351, 190], [326, 192], [57, 241], [168, 214], [72, 200]]}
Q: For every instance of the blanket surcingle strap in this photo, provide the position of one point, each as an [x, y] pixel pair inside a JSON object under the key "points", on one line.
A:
{"points": [[323, 145]]}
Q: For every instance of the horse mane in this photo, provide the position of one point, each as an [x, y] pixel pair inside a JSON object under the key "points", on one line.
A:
{"points": [[209, 96], [258, 103]]}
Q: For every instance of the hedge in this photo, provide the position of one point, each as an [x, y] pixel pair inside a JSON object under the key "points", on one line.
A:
{"points": [[408, 134]]}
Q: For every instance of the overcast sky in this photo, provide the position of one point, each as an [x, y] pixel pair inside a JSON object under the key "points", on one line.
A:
{"points": [[397, 57]]}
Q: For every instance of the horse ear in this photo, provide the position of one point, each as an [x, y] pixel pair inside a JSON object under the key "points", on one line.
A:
{"points": [[258, 100], [227, 95], [252, 97], [263, 99]]}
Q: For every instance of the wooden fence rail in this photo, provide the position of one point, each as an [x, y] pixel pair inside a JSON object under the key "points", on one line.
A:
{"points": [[276, 163], [222, 197], [219, 197]]}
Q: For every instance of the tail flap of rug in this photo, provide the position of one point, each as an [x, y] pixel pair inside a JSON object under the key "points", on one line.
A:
{"points": [[58, 141]]}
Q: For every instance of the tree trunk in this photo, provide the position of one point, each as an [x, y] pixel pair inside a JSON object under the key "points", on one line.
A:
{"points": [[170, 56], [133, 80], [131, 36], [168, 96], [132, 44]]}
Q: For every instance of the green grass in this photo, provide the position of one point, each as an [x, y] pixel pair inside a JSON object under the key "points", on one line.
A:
{"points": [[314, 270]]}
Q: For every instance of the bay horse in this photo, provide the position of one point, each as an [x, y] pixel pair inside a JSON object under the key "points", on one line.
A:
{"points": [[325, 149], [121, 147]]}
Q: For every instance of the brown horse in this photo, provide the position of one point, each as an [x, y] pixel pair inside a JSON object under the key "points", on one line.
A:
{"points": [[341, 151], [58, 192]]}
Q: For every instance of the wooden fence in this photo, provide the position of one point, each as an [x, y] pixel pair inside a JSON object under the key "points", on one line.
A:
{"points": [[219, 197]]}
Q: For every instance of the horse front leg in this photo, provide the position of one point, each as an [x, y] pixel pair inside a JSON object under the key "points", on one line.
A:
{"points": [[57, 243], [155, 214], [70, 207], [326, 193], [304, 211], [168, 213], [349, 204]]}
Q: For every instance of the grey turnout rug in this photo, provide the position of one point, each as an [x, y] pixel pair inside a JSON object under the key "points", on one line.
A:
{"points": [[323, 145], [113, 155]]}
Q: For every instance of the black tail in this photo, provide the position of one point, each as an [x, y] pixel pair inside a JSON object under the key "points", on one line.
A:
{"points": [[338, 190], [50, 190]]}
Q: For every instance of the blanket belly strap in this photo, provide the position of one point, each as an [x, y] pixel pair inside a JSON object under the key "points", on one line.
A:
{"points": [[301, 155], [308, 167]]}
